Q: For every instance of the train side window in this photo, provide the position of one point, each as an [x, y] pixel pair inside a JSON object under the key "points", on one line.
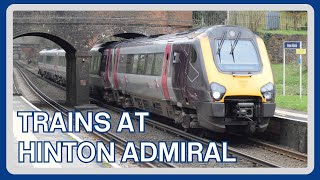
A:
{"points": [[103, 63], [129, 63], [92, 64], [61, 60], [59, 63], [49, 59], [149, 64], [135, 64], [65, 61], [141, 64], [97, 67], [122, 63], [157, 68], [110, 64], [193, 55]]}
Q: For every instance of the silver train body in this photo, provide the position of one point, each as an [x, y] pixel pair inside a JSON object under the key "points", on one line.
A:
{"points": [[52, 65]]}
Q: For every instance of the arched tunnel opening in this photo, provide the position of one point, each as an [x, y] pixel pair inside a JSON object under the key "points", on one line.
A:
{"points": [[70, 54], [78, 81]]}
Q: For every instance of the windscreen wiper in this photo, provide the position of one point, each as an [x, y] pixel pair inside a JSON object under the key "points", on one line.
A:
{"points": [[221, 43], [233, 46]]}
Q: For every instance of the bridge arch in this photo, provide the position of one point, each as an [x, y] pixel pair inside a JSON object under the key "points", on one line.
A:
{"points": [[71, 72]]}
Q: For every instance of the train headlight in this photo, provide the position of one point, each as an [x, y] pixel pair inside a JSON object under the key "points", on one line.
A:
{"points": [[217, 91], [267, 91]]}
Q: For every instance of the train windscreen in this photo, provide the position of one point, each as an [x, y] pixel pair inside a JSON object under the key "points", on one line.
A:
{"points": [[236, 56]]}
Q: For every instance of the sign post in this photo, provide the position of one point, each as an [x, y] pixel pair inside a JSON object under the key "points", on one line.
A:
{"points": [[289, 45], [284, 73], [300, 52], [300, 61]]}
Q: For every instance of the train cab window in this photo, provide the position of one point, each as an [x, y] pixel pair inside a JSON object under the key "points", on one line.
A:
{"points": [[141, 64], [135, 64], [129, 63], [157, 67], [242, 57], [149, 64]]}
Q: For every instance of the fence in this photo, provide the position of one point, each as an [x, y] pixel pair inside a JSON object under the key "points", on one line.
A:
{"points": [[254, 20]]}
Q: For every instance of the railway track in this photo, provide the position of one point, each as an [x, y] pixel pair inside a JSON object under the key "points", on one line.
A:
{"points": [[280, 150], [233, 151], [15, 90], [191, 137], [120, 143]]}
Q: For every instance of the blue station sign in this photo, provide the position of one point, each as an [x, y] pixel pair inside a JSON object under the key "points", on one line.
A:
{"points": [[291, 44]]}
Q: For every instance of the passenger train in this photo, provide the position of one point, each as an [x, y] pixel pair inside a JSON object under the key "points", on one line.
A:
{"points": [[218, 78], [52, 65]]}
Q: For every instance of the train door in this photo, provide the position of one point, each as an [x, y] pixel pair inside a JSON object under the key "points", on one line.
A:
{"points": [[111, 67], [107, 55], [178, 72], [165, 68], [184, 73], [115, 68]]}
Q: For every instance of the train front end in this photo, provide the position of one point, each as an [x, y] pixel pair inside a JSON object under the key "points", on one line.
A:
{"points": [[240, 81]]}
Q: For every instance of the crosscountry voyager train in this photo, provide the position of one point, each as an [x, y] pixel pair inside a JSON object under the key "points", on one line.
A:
{"points": [[218, 78], [52, 65]]}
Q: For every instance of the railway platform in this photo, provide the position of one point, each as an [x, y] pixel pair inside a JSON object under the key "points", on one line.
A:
{"points": [[290, 128], [291, 114], [22, 104]]}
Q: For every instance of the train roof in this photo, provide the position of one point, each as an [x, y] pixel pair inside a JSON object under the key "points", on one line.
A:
{"points": [[100, 47], [52, 52], [185, 36]]}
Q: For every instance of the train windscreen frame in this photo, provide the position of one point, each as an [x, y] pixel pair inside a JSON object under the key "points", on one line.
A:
{"points": [[244, 58]]}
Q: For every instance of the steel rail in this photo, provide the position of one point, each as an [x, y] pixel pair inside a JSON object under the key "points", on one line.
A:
{"points": [[280, 150], [192, 137], [15, 90], [105, 136]]}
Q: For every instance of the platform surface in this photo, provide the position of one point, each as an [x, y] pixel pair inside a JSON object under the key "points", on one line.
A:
{"points": [[21, 104], [291, 114]]}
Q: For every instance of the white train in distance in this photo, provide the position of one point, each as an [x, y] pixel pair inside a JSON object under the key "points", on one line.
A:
{"points": [[52, 65]]}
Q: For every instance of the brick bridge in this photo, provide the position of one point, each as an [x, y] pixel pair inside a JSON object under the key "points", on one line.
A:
{"points": [[77, 32]]}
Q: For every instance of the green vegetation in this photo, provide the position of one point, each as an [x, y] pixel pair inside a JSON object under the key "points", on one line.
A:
{"points": [[292, 98], [284, 32], [293, 102]]}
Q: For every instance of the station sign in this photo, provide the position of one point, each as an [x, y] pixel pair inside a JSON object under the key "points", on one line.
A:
{"points": [[301, 51], [297, 45], [291, 44]]}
